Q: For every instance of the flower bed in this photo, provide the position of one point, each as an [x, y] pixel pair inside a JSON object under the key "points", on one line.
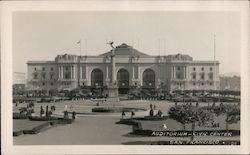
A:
{"points": [[37, 118], [116, 109], [43, 126], [37, 129], [17, 133], [151, 118], [20, 116], [127, 122]]}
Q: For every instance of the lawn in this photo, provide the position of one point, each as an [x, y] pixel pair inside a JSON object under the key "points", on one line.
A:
{"points": [[25, 124]]}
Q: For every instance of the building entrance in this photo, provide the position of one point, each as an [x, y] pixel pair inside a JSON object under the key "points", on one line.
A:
{"points": [[123, 81]]}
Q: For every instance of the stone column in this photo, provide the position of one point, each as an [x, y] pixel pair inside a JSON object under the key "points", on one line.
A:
{"points": [[59, 72], [173, 72], [113, 76], [107, 72], [71, 72], [74, 73], [133, 71], [184, 72], [62, 72], [86, 73], [80, 72]]}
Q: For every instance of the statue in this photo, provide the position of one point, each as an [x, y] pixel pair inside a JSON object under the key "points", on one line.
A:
{"points": [[111, 44], [113, 48]]}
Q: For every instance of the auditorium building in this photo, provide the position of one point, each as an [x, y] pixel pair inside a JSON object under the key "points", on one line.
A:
{"points": [[132, 69]]}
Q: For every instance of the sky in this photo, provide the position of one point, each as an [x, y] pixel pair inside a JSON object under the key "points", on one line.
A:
{"points": [[44, 35]]}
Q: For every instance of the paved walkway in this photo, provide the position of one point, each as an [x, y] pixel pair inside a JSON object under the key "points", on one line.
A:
{"points": [[97, 129]]}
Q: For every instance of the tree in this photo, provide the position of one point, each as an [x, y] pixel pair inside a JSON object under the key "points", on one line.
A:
{"points": [[179, 113], [232, 112], [190, 114]]}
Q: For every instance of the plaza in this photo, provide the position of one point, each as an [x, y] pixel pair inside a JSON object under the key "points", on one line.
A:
{"points": [[101, 128]]}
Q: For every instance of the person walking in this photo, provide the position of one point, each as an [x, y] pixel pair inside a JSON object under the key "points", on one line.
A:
{"points": [[159, 113], [123, 114], [73, 115], [41, 111], [47, 111], [50, 113], [66, 116], [66, 107], [132, 114], [71, 107], [151, 106], [151, 112], [51, 108]]}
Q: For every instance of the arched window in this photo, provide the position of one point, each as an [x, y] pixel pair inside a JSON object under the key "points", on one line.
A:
{"points": [[96, 77], [123, 78], [148, 78]]}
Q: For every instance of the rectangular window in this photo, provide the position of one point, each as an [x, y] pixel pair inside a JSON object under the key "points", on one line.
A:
{"points": [[202, 76], [194, 69], [43, 68], [202, 69], [67, 76], [35, 68], [211, 76], [51, 69], [194, 76], [44, 76], [211, 69]]}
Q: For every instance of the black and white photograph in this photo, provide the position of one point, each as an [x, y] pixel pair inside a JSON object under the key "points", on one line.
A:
{"points": [[127, 77]]}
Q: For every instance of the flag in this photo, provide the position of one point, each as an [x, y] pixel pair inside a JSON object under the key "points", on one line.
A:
{"points": [[79, 42]]}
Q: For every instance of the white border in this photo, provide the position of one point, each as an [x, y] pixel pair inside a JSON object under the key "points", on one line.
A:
{"points": [[6, 67]]}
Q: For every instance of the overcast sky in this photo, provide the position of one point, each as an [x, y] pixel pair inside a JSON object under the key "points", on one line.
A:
{"points": [[43, 35]]}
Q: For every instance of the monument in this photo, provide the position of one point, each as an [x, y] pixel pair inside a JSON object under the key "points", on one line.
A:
{"points": [[112, 87]]}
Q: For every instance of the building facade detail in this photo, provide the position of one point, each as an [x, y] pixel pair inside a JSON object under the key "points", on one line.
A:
{"points": [[132, 68]]}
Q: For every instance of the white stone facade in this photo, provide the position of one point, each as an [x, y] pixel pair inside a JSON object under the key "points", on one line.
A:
{"points": [[135, 69]]}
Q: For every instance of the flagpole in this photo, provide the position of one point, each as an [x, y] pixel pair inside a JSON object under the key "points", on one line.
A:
{"points": [[79, 59], [80, 47], [85, 47], [159, 44], [215, 67]]}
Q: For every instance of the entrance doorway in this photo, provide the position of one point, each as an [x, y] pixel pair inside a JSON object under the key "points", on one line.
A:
{"points": [[123, 81]]}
